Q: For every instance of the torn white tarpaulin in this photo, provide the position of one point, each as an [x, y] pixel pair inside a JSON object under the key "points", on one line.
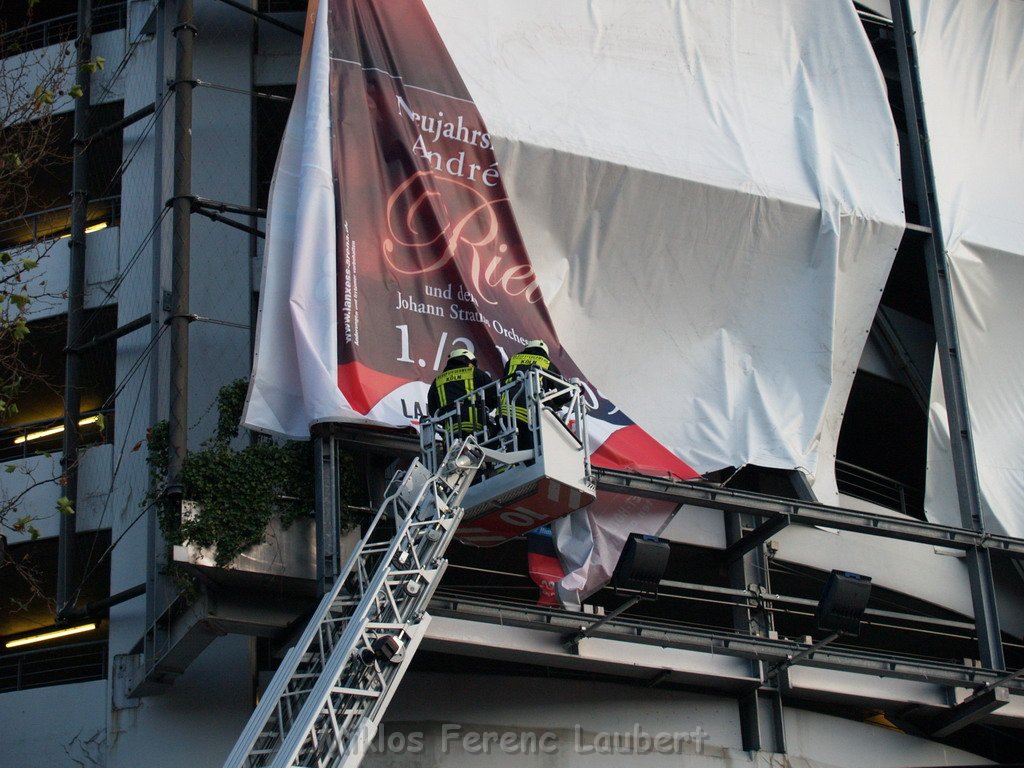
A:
{"points": [[972, 77]]}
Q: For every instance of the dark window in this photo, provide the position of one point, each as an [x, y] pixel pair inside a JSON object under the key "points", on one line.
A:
{"points": [[28, 574], [41, 396], [282, 6], [44, 210], [883, 445], [271, 118], [54, 21]]}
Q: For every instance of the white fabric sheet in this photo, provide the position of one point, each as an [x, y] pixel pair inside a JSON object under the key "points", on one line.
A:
{"points": [[972, 71], [710, 192], [294, 377]]}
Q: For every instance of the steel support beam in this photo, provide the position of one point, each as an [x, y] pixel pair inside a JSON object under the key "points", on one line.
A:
{"points": [[766, 650], [755, 538], [745, 561], [66, 576], [979, 565], [900, 357], [970, 710], [702, 494], [184, 33], [117, 333], [804, 513], [124, 122], [327, 506]]}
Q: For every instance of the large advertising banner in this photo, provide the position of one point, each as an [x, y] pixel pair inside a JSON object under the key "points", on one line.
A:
{"points": [[429, 253], [391, 240]]}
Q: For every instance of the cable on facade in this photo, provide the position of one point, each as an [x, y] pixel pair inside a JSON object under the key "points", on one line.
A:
{"points": [[117, 467], [112, 78], [228, 323], [111, 292], [135, 366], [242, 91], [137, 146], [113, 544]]}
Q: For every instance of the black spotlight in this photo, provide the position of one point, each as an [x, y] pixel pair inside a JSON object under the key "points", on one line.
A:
{"points": [[843, 602], [641, 564]]}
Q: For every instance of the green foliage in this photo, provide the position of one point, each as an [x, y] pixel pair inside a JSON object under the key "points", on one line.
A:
{"points": [[93, 65], [238, 491], [230, 402], [15, 299], [42, 97], [24, 525]]}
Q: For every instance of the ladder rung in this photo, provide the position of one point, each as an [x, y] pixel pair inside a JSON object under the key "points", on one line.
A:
{"points": [[321, 714], [357, 692]]}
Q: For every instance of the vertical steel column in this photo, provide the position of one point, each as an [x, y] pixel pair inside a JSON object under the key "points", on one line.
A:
{"points": [[327, 507], [979, 564], [749, 619], [184, 34], [76, 301], [156, 580]]}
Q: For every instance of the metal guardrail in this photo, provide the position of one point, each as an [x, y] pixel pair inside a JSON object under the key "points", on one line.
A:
{"points": [[648, 632], [777, 512], [885, 491], [52, 223], [12, 450], [56, 665], [530, 390], [781, 511], [63, 28]]}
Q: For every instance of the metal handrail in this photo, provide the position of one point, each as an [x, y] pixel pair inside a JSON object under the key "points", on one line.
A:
{"points": [[54, 665], [879, 489], [533, 387], [53, 223], [8, 449], [60, 29]]}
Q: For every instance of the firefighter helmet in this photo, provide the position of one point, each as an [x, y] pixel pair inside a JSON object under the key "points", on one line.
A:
{"points": [[462, 352], [537, 344]]}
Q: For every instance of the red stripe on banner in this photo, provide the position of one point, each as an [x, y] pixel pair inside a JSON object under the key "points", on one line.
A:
{"points": [[549, 501], [546, 571], [364, 387], [631, 448]]}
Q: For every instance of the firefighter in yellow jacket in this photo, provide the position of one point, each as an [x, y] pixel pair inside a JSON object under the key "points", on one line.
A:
{"points": [[534, 355], [460, 377]]}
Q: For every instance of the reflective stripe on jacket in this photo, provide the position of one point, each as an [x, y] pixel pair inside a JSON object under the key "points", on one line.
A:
{"points": [[516, 362], [452, 384]]}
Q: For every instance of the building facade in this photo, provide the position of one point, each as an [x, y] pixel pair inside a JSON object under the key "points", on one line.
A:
{"points": [[720, 669]]}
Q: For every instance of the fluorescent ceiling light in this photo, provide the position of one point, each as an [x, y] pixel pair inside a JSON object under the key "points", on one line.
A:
{"points": [[88, 230], [53, 430], [54, 634]]}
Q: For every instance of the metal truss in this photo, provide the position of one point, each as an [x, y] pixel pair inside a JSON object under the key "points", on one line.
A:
{"points": [[326, 699]]}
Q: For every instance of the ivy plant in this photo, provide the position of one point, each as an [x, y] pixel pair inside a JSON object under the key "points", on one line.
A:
{"points": [[238, 490]]}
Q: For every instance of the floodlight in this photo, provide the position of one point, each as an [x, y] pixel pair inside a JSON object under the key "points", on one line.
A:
{"points": [[843, 602]]}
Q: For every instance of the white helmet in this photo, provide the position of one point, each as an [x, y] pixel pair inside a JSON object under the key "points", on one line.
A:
{"points": [[537, 344], [462, 352]]}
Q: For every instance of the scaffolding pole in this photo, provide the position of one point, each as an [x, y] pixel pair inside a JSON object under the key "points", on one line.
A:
{"points": [[979, 564], [181, 208], [66, 575]]}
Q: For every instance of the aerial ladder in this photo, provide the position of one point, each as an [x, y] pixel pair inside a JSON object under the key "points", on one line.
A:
{"points": [[326, 700]]}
